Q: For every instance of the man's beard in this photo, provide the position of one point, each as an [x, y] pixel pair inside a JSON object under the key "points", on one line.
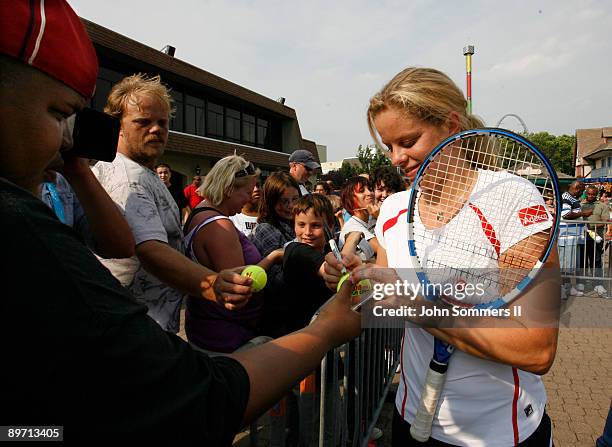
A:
{"points": [[147, 157]]}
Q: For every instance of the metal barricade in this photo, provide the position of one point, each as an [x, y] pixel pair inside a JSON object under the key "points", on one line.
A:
{"points": [[585, 256], [355, 379]]}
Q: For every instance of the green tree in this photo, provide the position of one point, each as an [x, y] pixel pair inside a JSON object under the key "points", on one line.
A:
{"points": [[371, 158], [559, 149]]}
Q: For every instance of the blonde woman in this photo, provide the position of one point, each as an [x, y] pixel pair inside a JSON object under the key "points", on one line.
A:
{"points": [[494, 394], [213, 241]]}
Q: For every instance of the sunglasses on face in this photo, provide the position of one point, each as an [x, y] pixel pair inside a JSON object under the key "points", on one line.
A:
{"points": [[289, 201], [245, 172]]}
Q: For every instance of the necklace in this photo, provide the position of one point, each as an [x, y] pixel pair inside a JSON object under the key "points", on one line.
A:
{"points": [[440, 216]]}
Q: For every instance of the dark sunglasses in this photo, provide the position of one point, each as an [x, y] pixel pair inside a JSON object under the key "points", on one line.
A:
{"points": [[249, 170]]}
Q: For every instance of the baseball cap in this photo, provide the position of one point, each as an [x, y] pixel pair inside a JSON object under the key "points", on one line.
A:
{"points": [[49, 36], [305, 157]]}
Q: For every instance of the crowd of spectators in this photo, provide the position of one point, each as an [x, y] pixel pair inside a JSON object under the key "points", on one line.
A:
{"points": [[122, 249]]}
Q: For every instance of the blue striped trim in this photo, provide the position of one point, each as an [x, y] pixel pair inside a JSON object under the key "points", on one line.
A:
{"points": [[411, 248], [499, 302], [523, 283]]}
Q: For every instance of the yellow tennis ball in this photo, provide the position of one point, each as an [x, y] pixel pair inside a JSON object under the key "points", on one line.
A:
{"points": [[342, 279], [258, 275], [362, 286]]}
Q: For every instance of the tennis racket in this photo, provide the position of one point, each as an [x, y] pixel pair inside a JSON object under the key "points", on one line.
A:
{"points": [[481, 202]]}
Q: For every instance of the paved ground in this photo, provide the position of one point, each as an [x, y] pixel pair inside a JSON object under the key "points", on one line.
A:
{"points": [[579, 385]]}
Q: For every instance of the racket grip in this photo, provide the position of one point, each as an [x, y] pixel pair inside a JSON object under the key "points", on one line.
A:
{"points": [[434, 383]]}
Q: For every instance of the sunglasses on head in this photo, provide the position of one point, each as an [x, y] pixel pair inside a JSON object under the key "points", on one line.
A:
{"points": [[245, 172]]}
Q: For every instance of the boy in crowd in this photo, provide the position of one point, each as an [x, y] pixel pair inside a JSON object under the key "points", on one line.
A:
{"points": [[88, 357], [303, 259], [246, 220]]}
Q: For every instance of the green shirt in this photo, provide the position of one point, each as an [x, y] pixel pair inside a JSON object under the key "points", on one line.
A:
{"points": [[600, 213]]}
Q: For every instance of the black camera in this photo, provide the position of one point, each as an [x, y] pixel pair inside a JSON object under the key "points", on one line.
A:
{"points": [[95, 135]]}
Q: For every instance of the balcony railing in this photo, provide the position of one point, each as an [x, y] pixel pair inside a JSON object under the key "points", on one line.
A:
{"points": [[601, 172]]}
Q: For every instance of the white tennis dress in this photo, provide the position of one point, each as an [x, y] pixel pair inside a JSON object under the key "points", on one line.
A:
{"points": [[483, 403]]}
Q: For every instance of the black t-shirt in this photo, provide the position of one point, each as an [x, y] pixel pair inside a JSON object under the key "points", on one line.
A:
{"points": [[78, 351], [176, 191], [306, 290]]}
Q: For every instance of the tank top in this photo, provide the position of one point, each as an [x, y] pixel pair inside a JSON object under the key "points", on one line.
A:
{"points": [[211, 326]]}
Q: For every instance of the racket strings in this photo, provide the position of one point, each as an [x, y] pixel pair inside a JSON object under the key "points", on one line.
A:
{"points": [[448, 237]]}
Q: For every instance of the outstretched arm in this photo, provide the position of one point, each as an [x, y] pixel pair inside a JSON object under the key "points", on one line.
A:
{"points": [[277, 365], [173, 268]]}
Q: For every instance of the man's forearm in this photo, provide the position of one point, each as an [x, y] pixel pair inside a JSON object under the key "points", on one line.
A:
{"points": [[297, 355], [176, 270]]}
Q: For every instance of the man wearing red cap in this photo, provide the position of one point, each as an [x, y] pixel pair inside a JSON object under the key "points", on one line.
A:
{"points": [[78, 351]]}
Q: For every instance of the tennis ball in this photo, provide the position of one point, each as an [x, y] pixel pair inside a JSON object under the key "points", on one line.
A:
{"points": [[342, 279], [361, 287], [258, 275]]}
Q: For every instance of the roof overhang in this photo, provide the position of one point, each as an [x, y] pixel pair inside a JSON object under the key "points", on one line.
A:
{"points": [[211, 148]]}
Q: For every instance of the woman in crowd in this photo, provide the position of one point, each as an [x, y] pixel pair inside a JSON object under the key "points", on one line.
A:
{"points": [[493, 393], [213, 241], [322, 188], [357, 199], [385, 181], [273, 231]]}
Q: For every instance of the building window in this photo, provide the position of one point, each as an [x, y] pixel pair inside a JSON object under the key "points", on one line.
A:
{"points": [[262, 132], [214, 120], [232, 125], [106, 79], [194, 115], [248, 128], [103, 88], [177, 122]]}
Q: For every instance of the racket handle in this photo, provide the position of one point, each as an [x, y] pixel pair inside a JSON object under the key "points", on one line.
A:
{"points": [[434, 383]]}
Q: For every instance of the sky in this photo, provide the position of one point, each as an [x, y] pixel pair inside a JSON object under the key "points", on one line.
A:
{"points": [[546, 61]]}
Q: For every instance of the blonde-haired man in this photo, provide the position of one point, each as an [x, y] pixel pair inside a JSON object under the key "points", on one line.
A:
{"points": [[159, 275], [87, 357]]}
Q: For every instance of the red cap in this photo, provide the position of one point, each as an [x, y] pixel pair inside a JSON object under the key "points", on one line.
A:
{"points": [[48, 35]]}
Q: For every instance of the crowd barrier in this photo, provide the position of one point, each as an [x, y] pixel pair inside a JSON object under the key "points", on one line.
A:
{"points": [[585, 257], [340, 404]]}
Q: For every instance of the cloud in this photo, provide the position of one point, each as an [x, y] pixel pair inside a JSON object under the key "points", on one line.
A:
{"points": [[547, 62]]}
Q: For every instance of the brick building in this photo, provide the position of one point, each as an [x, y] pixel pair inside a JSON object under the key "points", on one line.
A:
{"points": [[214, 117], [593, 152]]}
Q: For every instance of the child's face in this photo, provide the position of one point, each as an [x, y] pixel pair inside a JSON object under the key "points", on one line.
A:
{"points": [[309, 229]]}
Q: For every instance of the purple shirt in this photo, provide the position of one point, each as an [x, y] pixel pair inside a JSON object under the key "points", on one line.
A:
{"points": [[210, 326]]}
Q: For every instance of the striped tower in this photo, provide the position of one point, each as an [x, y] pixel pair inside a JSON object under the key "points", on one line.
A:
{"points": [[467, 52]]}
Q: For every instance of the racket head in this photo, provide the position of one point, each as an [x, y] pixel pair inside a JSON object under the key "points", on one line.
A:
{"points": [[451, 185]]}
